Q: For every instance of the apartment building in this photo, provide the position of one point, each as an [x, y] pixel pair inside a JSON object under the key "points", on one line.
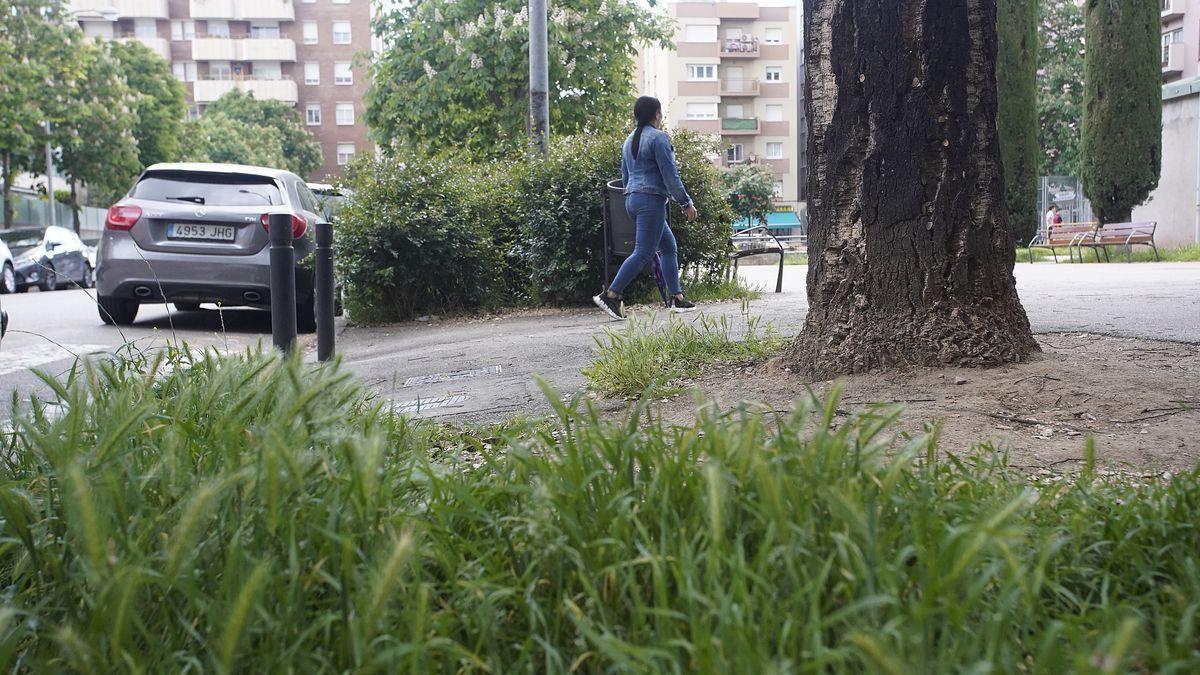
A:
{"points": [[735, 73], [1175, 204], [301, 52]]}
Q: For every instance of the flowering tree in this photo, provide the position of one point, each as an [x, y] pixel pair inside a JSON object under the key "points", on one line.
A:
{"points": [[751, 190], [455, 73]]}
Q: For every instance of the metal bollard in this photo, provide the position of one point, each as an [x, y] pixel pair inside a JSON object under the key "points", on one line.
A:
{"points": [[323, 287], [283, 281]]}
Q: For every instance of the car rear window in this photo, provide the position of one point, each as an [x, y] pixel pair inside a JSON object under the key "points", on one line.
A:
{"points": [[208, 189]]}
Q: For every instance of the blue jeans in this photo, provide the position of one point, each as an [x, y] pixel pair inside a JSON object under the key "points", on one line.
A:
{"points": [[653, 234]]}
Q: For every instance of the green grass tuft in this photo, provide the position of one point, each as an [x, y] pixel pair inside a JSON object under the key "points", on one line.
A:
{"points": [[648, 356], [321, 536]]}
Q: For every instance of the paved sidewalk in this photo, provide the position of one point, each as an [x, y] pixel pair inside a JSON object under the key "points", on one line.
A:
{"points": [[477, 370]]}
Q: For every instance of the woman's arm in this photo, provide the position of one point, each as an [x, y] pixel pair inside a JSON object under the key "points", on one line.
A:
{"points": [[664, 155]]}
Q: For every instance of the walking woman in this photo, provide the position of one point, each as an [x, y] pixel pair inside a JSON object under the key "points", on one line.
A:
{"points": [[651, 177]]}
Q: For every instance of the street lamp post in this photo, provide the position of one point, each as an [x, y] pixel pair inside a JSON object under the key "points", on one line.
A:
{"points": [[50, 178], [539, 78]]}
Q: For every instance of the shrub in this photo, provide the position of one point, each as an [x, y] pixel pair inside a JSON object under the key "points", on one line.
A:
{"points": [[703, 244], [495, 201], [407, 244], [254, 515]]}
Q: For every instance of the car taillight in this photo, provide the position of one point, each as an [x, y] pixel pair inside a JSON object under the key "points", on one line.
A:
{"points": [[122, 217], [299, 224]]}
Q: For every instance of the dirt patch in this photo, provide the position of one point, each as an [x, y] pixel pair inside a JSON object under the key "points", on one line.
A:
{"points": [[1140, 400]]}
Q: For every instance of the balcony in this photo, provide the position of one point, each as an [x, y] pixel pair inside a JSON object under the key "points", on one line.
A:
{"points": [[243, 49], [749, 87], [745, 48], [1173, 9], [126, 9], [739, 126], [1173, 59], [243, 10], [207, 91], [160, 46]]}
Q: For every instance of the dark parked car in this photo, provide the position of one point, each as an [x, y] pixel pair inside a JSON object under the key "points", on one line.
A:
{"points": [[194, 233], [49, 258]]}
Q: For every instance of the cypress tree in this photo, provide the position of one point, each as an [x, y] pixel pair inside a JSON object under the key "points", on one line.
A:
{"points": [[1122, 98], [1016, 80]]}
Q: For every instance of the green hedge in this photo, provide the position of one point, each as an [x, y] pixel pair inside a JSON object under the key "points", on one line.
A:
{"points": [[430, 235]]}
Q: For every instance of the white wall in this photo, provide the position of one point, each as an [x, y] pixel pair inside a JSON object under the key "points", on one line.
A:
{"points": [[1173, 204]]}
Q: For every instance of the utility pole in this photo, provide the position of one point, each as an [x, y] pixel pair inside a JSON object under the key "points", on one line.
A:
{"points": [[539, 78], [50, 177]]}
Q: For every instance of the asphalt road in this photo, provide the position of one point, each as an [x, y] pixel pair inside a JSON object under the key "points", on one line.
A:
{"points": [[465, 367]]}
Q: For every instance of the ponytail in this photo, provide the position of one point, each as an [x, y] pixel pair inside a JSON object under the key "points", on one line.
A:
{"points": [[644, 111]]}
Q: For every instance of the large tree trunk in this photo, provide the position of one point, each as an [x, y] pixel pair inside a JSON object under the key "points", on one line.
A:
{"points": [[910, 250]]}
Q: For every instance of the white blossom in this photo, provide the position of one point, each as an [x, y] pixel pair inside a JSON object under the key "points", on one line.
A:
{"points": [[429, 71], [476, 62]]}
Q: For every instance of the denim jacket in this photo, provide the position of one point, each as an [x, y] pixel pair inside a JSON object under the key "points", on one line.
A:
{"points": [[654, 171]]}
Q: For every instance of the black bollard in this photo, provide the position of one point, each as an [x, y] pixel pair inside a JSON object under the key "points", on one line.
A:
{"points": [[323, 287], [283, 281]]}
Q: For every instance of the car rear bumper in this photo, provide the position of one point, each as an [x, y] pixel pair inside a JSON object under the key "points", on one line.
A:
{"points": [[127, 272]]}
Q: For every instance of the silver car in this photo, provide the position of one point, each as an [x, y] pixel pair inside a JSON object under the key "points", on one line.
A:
{"points": [[195, 233]]}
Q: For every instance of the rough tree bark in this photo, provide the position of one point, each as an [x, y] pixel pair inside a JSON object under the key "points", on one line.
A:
{"points": [[910, 250]]}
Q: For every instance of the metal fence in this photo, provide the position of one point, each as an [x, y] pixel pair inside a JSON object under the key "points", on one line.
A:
{"points": [[1067, 193], [30, 211]]}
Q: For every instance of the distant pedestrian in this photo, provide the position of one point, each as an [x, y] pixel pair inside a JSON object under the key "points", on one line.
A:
{"points": [[1053, 216], [651, 178]]}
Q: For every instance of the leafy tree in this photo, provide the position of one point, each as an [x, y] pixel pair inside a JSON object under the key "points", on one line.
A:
{"points": [[1060, 95], [1016, 75], [455, 74], [217, 137], [301, 152], [35, 64], [751, 190], [1122, 114], [95, 134], [910, 251], [160, 102]]}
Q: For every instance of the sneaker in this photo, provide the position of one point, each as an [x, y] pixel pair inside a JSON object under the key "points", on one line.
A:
{"points": [[610, 306], [682, 306]]}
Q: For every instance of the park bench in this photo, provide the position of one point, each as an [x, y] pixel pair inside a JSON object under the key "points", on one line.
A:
{"points": [[1063, 235], [1122, 234], [745, 246]]}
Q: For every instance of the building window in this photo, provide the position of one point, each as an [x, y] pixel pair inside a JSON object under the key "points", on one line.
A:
{"points": [[145, 28], [264, 30], [734, 153], [194, 112], [219, 70], [312, 114], [777, 189], [774, 74], [702, 111], [267, 70], [345, 153], [183, 30], [700, 33], [342, 73], [184, 71], [774, 113], [344, 114], [1169, 38], [217, 29], [312, 73], [310, 32], [773, 36], [774, 150], [341, 32], [735, 110], [702, 71]]}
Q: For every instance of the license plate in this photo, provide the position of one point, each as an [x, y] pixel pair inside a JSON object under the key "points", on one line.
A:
{"points": [[201, 231]]}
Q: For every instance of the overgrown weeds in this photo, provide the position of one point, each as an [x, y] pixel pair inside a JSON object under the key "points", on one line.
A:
{"points": [[649, 356], [254, 515]]}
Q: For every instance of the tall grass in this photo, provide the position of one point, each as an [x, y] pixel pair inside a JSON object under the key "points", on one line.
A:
{"points": [[253, 515], [647, 355]]}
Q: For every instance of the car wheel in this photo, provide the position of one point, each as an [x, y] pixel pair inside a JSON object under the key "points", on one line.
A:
{"points": [[89, 277], [8, 279], [49, 280], [187, 306], [116, 311]]}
